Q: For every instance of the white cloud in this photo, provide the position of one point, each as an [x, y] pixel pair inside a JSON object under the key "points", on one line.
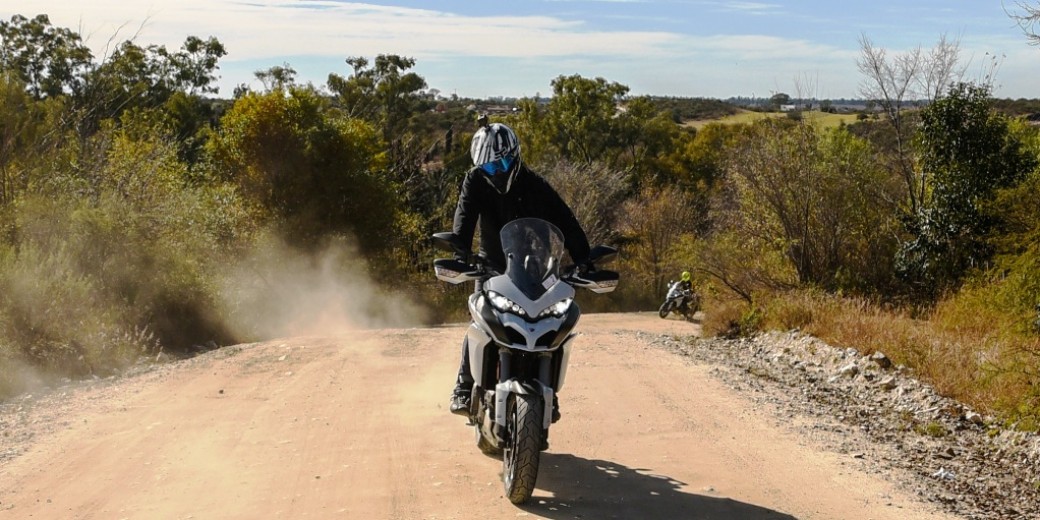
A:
{"points": [[251, 30], [751, 6], [754, 47]]}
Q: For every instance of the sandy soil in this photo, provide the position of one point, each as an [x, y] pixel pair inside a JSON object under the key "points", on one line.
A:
{"points": [[357, 427]]}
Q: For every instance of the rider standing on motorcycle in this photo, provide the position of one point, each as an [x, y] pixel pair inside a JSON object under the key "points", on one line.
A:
{"points": [[499, 189]]}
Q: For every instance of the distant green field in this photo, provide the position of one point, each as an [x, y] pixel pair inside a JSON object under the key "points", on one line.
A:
{"points": [[824, 119]]}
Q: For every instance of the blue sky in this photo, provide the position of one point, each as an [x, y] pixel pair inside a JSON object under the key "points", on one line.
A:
{"points": [[706, 48]]}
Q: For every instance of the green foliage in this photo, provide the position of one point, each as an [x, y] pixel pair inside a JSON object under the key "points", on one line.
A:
{"points": [[19, 132], [579, 123], [701, 158], [48, 59], [126, 199], [970, 153], [686, 109], [93, 282], [654, 224], [1014, 278], [311, 173], [779, 99], [53, 319], [742, 267], [591, 121], [383, 94], [135, 77], [817, 196]]}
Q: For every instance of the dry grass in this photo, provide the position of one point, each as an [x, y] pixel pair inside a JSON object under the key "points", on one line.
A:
{"points": [[965, 351], [824, 119]]}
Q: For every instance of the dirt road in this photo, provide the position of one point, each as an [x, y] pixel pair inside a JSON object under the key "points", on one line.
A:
{"points": [[357, 427]]}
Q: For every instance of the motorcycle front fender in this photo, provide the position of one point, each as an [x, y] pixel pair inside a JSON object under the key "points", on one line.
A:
{"points": [[513, 386]]}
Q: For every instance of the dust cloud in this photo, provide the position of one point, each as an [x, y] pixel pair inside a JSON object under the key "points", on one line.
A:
{"points": [[277, 291], [18, 377]]}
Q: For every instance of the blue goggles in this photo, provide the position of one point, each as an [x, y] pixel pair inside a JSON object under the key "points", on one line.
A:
{"points": [[497, 166]]}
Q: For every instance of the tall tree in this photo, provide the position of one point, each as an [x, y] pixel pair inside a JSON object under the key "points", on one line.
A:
{"points": [[816, 195], [897, 82], [387, 96], [582, 120], [970, 153], [654, 223], [384, 94], [135, 76], [278, 77], [50, 60], [311, 172], [19, 122]]}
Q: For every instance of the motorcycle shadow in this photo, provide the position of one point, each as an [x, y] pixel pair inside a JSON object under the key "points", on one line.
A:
{"points": [[695, 318], [584, 488]]}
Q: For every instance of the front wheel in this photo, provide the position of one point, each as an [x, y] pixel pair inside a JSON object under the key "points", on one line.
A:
{"points": [[523, 448], [666, 307]]}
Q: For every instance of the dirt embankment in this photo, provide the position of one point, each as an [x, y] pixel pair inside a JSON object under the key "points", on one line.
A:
{"points": [[356, 426]]}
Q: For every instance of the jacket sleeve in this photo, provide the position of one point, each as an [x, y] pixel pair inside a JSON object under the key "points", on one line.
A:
{"points": [[575, 240], [467, 211]]}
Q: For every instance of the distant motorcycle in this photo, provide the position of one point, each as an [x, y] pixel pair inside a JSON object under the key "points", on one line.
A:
{"points": [[520, 339], [683, 301]]}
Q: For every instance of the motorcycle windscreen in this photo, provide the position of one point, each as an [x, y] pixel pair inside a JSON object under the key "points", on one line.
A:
{"points": [[534, 249]]}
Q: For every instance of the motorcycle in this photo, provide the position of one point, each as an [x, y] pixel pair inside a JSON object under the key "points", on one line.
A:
{"points": [[520, 337], [683, 301]]}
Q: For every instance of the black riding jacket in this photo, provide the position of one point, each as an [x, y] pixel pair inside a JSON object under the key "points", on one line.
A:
{"points": [[529, 196]]}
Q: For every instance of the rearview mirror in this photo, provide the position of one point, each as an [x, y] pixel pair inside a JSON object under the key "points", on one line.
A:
{"points": [[448, 241], [602, 254]]}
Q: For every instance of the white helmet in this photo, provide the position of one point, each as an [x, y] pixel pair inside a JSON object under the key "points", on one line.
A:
{"points": [[496, 150]]}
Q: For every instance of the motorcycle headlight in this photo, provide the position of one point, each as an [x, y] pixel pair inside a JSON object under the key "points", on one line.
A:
{"points": [[505, 304], [557, 309]]}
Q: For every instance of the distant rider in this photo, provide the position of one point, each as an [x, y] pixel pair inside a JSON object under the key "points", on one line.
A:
{"points": [[498, 189]]}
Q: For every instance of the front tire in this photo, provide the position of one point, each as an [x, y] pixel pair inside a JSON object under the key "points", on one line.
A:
{"points": [[666, 307], [521, 456]]}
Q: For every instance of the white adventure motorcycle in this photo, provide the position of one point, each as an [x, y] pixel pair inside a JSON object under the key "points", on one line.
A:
{"points": [[683, 301], [520, 339]]}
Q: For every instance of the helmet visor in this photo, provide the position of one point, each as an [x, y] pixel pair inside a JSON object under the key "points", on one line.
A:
{"points": [[497, 166]]}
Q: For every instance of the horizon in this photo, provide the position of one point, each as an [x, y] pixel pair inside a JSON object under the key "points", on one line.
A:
{"points": [[714, 49]]}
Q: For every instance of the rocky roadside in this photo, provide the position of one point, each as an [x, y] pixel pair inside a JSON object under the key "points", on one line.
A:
{"points": [[883, 419]]}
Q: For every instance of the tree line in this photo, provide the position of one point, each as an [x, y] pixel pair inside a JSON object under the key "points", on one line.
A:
{"points": [[127, 190]]}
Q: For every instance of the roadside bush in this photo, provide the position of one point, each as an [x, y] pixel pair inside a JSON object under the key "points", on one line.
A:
{"points": [[53, 317], [729, 317], [993, 338], [121, 267], [304, 170]]}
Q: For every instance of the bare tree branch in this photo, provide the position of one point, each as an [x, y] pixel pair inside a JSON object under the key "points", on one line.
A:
{"points": [[1028, 19], [896, 83]]}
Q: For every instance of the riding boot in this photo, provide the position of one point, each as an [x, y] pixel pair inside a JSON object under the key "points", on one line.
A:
{"points": [[460, 397]]}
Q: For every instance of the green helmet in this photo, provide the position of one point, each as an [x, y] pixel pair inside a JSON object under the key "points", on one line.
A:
{"points": [[685, 276]]}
